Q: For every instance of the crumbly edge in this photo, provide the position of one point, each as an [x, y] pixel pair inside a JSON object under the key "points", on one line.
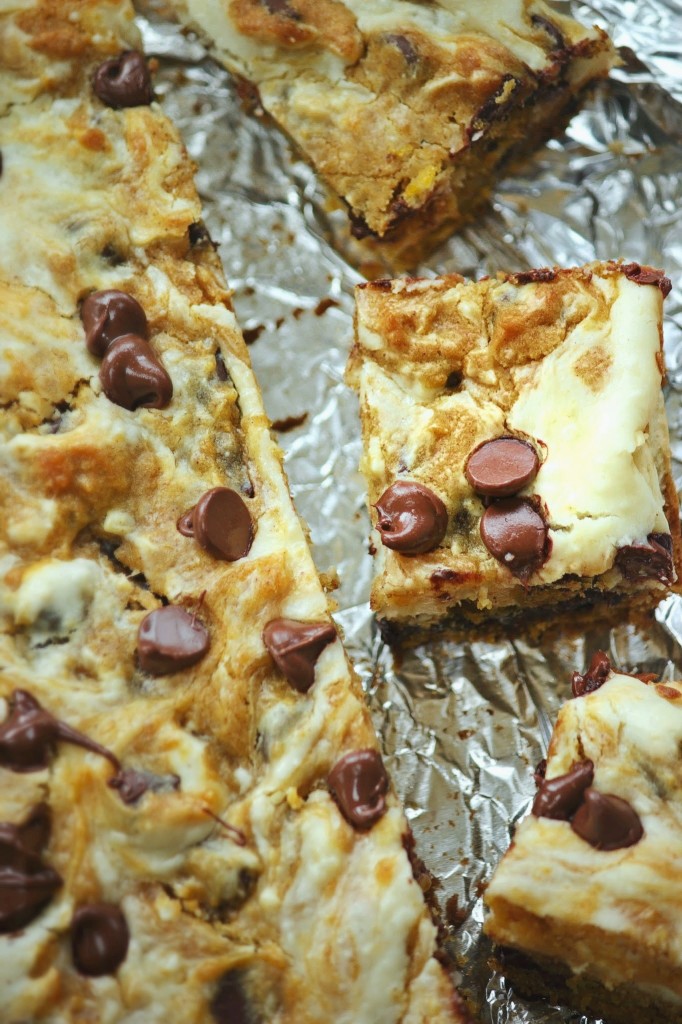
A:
{"points": [[507, 144], [549, 979]]}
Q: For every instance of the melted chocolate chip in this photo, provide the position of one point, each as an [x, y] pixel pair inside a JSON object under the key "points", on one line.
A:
{"points": [[132, 784], [516, 534], [220, 368], [647, 275], [230, 1004], [133, 377], [29, 735], [412, 519], [295, 648], [560, 797], [502, 467], [359, 783], [540, 772], [99, 939], [282, 7], [26, 884], [221, 523], [495, 107], [551, 29], [454, 380], [170, 639], [185, 524], [596, 675], [540, 275], [405, 46], [124, 81], [653, 560], [198, 235], [607, 822], [109, 315]]}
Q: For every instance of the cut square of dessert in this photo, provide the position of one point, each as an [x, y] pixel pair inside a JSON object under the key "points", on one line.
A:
{"points": [[195, 820], [516, 447], [587, 903], [408, 110]]}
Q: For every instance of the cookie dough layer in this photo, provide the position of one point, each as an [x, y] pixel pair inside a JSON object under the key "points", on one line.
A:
{"points": [[245, 892], [569, 361], [603, 928], [408, 110]]}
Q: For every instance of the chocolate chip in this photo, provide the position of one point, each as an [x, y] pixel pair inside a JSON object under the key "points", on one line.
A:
{"points": [[551, 29], [221, 524], [296, 646], [412, 519], [539, 275], [132, 784], [109, 315], [647, 275], [539, 773], [282, 7], [28, 737], [26, 884], [561, 796], [596, 675], [124, 81], [230, 1004], [220, 368], [170, 639], [133, 377], [653, 560], [359, 783], [198, 235], [502, 467], [454, 380], [99, 939], [516, 534], [405, 46], [607, 822], [185, 524]]}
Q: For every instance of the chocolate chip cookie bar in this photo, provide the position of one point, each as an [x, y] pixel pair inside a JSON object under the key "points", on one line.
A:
{"points": [[409, 111], [516, 448], [586, 905], [195, 821]]}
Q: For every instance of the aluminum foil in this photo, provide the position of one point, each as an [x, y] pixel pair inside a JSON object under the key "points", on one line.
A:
{"points": [[462, 725]]}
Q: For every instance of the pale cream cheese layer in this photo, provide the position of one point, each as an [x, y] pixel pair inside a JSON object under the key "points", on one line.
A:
{"points": [[616, 915]]}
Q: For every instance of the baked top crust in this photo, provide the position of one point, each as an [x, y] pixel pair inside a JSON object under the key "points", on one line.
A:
{"points": [[568, 361], [387, 99], [613, 915], [245, 892]]}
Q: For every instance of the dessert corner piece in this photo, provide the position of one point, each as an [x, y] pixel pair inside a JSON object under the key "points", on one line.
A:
{"points": [[409, 111], [193, 809], [515, 448], [586, 905]]}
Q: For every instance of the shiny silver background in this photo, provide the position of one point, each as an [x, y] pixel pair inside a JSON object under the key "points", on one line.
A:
{"points": [[462, 725]]}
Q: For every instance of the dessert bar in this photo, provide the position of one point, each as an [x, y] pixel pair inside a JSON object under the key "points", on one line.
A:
{"points": [[586, 905], [195, 820], [516, 448], [409, 111]]}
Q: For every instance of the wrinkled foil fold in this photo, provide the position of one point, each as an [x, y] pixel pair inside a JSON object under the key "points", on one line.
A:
{"points": [[462, 725]]}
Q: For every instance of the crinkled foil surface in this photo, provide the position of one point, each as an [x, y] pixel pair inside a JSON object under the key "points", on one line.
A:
{"points": [[462, 725]]}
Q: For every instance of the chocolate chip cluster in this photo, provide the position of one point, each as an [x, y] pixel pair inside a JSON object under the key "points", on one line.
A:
{"points": [[513, 529], [413, 520]]}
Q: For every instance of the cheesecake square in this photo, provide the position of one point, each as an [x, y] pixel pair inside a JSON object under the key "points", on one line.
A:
{"points": [[408, 111], [586, 905], [515, 448]]}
